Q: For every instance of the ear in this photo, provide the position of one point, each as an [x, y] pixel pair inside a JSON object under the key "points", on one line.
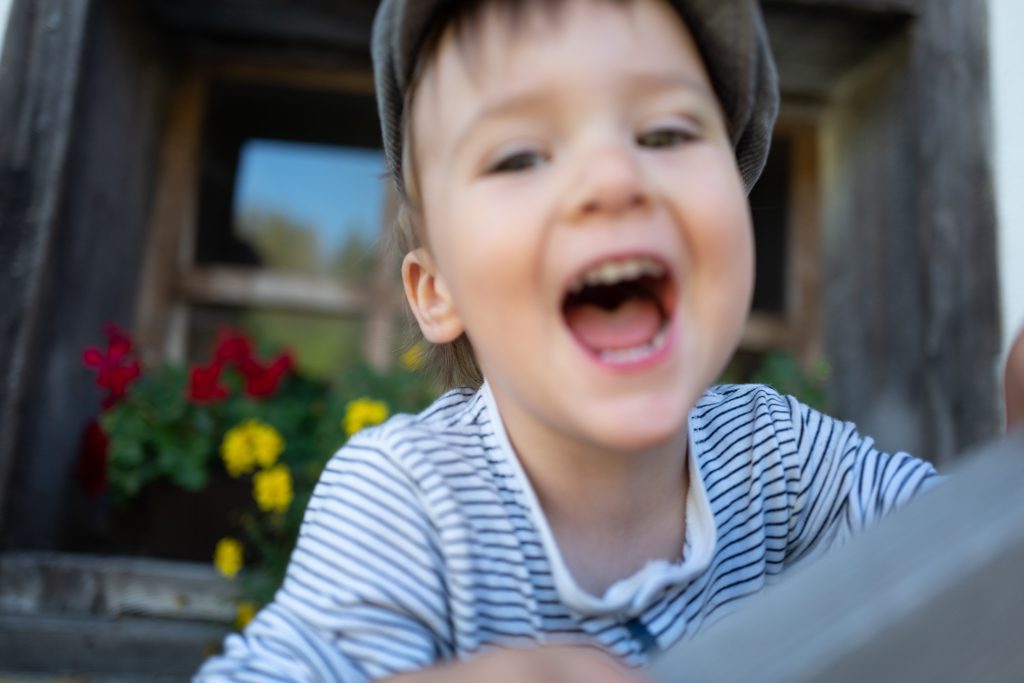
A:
{"points": [[429, 298]]}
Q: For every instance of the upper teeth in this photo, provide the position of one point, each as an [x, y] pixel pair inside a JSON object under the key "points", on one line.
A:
{"points": [[610, 272]]}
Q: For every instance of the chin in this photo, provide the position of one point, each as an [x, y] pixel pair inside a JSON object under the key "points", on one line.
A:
{"points": [[642, 428]]}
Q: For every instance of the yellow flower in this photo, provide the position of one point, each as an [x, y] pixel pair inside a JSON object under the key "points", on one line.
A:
{"points": [[413, 357], [227, 557], [250, 444], [272, 489], [246, 611], [363, 412]]}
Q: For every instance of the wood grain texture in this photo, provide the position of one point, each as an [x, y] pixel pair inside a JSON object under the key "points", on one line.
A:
{"points": [[956, 219], [101, 616], [111, 586], [136, 647], [91, 270], [228, 285], [41, 67], [910, 288]]}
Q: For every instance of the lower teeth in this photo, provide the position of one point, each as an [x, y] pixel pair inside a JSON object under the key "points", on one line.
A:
{"points": [[636, 353]]}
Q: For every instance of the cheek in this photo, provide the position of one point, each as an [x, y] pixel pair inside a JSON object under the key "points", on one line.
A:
{"points": [[486, 252], [720, 251], [735, 244], [728, 249], [720, 234]]}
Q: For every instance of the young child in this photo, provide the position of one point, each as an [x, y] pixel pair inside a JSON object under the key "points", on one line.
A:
{"points": [[579, 252]]}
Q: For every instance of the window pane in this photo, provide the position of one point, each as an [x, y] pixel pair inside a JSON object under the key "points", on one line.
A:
{"points": [[306, 208], [291, 180], [323, 346]]}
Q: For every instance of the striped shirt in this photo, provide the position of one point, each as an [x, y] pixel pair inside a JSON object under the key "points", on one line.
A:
{"points": [[424, 541]]}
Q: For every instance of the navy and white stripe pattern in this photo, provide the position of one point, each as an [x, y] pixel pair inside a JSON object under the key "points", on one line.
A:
{"points": [[422, 541]]}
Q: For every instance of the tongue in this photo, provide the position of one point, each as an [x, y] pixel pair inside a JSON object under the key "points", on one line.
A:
{"points": [[633, 323]]}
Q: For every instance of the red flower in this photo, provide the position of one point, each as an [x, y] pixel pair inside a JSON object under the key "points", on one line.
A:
{"points": [[263, 381], [204, 384], [232, 347], [91, 467], [117, 381], [118, 342], [116, 368]]}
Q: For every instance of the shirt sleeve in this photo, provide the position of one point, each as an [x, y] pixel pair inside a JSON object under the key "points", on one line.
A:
{"points": [[845, 484], [364, 594]]}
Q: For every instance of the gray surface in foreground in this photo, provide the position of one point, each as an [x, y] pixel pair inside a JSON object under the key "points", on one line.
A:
{"points": [[138, 648], [932, 594]]}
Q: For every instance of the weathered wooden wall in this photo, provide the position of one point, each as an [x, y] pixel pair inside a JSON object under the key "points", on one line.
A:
{"points": [[86, 267], [957, 222], [874, 284], [899, 91], [911, 289], [38, 87]]}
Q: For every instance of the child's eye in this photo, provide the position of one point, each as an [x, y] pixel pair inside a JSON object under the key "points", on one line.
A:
{"points": [[519, 161], [665, 137]]}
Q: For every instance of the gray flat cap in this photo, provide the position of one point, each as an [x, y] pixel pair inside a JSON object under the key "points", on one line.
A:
{"points": [[730, 35]]}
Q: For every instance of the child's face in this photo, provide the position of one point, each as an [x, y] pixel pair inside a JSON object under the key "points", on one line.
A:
{"points": [[558, 147]]}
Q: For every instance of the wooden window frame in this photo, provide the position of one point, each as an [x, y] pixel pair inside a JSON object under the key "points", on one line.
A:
{"points": [[172, 282], [798, 327]]}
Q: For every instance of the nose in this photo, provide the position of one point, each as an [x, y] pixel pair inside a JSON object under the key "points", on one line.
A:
{"points": [[610, 181]]}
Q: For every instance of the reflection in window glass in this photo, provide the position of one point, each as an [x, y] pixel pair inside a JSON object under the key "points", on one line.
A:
{"points": [[323, 346], [309, 208]]}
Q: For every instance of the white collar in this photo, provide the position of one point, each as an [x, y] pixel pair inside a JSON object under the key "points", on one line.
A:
{"points": [[629, 596]]}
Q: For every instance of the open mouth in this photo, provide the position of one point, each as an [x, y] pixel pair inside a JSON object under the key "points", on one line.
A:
{"points": [[620, 309]]}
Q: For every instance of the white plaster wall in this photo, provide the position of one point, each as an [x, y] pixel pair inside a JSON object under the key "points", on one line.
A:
{"points": [[5, 14], [1006, 17]]}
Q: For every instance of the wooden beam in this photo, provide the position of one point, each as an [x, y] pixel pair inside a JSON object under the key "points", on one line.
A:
{"points": [[41, 65], [169, 243], [336, 80], [33, 583], [930, 595], [907, 7], [262, 289], [815, 44], [135, 648], [312, 25], [804, 300], [106, 617], [910, 288], [767, 332], [956, 234]]}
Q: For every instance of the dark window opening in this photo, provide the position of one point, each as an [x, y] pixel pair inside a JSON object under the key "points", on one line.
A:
{"points": [[769, 203], [291, 180]]}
